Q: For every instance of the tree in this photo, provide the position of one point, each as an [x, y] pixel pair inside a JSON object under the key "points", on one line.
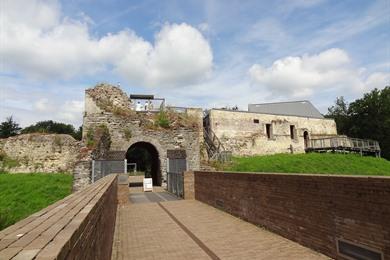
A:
{"points": [[367, 117], [9, 128], [50, 126], [370, 117], [339, 112], [78, 134]]}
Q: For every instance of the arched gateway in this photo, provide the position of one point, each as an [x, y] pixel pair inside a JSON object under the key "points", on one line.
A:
{"points": [[147, 159]]}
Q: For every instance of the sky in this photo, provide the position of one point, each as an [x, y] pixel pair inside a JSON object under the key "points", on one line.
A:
{"points": [[197, 53]]}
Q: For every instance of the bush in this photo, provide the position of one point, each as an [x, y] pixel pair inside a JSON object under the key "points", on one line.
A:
{"points": [[128, 134], [163, 120], [90, 138]]}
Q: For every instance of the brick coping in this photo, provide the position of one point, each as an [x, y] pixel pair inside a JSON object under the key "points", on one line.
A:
{"points": [[47, 232], [301, 174]]}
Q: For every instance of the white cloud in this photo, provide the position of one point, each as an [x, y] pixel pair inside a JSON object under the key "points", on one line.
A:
{"points": [[378, 80], [42, 43], [180, 56], [204, 27], [42, 104], [330, 70], [33, 103]]}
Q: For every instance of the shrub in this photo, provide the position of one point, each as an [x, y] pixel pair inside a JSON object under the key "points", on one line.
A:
{"points": [[163, 120], [128, 134], [90, 138]]}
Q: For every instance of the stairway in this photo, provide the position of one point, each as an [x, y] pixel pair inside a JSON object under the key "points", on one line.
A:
{"points": [[215, 149]]}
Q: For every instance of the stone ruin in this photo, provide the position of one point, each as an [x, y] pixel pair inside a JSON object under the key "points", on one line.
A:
{"points": [[112, 127]]}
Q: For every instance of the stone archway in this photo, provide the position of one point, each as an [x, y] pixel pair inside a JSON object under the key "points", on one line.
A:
{"points": [[147, 158]]}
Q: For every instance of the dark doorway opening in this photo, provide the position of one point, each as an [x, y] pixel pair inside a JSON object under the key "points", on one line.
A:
{"points": [[145, 155], [306, 139]]}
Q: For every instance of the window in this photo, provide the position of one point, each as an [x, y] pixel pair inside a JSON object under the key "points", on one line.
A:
{"points": [[256, 121], [292, 131], [268, 129]]}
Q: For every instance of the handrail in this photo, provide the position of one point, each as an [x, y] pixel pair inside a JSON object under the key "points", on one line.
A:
{"points": [[214, 147], [344, 142]]}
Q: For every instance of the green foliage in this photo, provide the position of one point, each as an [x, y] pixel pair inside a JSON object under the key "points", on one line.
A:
{"points": [[6, 162], [23, 194], [163, 119], [9, 128], [368, 117], [94, 135], [128, 134], [78, 134], [10, 163], [52, 127], [315, 163], [90, 138], [339, 112]]}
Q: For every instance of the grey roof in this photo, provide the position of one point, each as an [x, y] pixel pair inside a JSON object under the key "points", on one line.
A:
{"points": [[294, 108]]}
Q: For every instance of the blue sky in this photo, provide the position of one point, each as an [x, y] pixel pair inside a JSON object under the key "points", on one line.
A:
{"points": [[193, 53]]}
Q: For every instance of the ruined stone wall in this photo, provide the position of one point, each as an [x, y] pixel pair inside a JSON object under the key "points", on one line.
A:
{"points": [[108, 105], [39, 153], [240, 134]]}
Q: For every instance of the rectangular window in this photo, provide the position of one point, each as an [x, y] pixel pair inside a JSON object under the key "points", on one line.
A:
{"points": [[256, 121], [268, 129], [292, 131]]}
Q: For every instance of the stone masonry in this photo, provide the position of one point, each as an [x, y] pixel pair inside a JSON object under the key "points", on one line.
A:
{"points": [[110, 106], [41, 152], [244, 133]]}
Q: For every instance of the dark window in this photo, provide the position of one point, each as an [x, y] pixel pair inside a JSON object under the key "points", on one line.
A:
{"points": [[355, 251], [256, 121], [268, 130], [292, 131]]}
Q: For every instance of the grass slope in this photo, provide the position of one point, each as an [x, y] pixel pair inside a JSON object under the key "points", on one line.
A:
{"points": [[23, 194], [348, 164]]}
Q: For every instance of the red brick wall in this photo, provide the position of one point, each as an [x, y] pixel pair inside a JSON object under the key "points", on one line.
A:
{"points": [[95, 237], [80, 226], [311, 210]]}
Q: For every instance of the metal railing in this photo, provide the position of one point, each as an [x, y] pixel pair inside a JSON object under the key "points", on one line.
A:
{"points": [[101, 168], [344, 142], [147, 104], [214, 147]]}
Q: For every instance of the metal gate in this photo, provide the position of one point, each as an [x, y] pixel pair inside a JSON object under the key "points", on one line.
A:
{"points": [[101, 168], [177, 165]]}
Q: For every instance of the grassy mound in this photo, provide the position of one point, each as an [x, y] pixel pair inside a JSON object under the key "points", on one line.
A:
{"points": [[23, 194], [348, 164]]}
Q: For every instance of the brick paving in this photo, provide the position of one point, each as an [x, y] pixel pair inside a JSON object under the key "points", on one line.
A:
{"points": [[188, 229]]}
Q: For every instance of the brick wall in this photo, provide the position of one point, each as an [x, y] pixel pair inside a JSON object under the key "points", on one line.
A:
{"points": [[80, 226], [311, 210]]}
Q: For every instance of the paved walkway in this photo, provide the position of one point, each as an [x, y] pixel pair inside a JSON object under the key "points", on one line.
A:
{"points": [[192, 230]]}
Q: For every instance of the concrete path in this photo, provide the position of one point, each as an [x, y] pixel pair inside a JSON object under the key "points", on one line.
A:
{"points": [[192, 230]]}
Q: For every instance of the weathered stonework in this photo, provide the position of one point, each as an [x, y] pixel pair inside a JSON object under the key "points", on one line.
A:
{"points": [[41, 152], [239, 133], [108, 105]]}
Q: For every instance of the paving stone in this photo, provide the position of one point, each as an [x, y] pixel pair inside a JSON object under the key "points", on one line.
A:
{"points": [[185, 229]]}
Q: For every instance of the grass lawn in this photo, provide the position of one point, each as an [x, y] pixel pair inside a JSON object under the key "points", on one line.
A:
{"points": [[23, 194], [348, 164]]}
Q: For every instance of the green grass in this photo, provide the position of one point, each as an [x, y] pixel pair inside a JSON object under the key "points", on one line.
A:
{"points": [[23, 194], [315, 163]]}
